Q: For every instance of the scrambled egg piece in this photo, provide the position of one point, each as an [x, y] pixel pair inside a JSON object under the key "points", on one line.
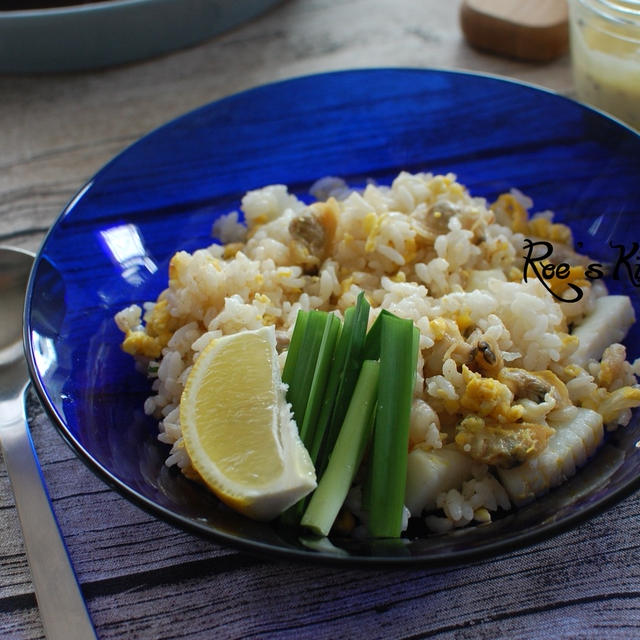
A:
{"points": [[494, 430], [611, 404], [138, 343], [463, 320], [575, 275], [488, 397], [544, 228], [372, 225], [158, 331], [541, 227]]}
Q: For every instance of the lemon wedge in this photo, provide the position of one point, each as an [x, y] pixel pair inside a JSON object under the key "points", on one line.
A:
{"points": [[238, 429]]}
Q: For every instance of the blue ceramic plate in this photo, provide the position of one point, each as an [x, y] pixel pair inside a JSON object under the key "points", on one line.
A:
{"points": [[163, 193]]}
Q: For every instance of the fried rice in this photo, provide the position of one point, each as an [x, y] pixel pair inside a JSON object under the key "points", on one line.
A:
{"points": [[501, 363]]}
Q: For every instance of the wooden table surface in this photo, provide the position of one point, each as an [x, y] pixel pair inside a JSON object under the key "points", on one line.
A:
{"points": [[143, 578]]}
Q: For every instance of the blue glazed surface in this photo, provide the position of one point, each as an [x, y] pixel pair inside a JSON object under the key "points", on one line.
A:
{"points": [[112, 244]]}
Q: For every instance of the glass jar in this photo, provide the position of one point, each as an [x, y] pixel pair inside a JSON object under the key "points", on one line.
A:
{"points": [[605, 52]]}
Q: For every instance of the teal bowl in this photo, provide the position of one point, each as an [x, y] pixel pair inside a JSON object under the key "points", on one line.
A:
{"points": [[112, 32]]}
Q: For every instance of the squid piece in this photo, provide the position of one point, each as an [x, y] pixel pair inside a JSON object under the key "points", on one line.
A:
{"points": [[611, 319], [567, 450], [429, 473]]}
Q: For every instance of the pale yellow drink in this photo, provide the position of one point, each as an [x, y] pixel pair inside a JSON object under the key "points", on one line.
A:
{"points": [[605, 49]]}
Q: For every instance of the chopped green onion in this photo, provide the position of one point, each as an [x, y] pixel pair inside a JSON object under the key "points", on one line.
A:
{"points": [[340, 394], [314, 354], [388, 472], [347, 367], [319, 382], [372, 341], [346, 456], [372, 352], [326, 411], [306, 357], [293, 352]]}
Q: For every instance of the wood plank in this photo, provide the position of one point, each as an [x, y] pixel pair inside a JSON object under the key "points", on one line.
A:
{"points": [[515, 597]]}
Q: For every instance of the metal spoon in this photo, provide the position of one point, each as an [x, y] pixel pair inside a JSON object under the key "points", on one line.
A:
{"points": [[62, 607]]}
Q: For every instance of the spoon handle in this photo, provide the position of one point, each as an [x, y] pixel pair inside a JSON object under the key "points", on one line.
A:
{"points": [[62, 608]]}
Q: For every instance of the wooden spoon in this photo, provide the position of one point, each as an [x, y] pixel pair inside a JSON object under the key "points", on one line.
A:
{"points": [[534, 30]]}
